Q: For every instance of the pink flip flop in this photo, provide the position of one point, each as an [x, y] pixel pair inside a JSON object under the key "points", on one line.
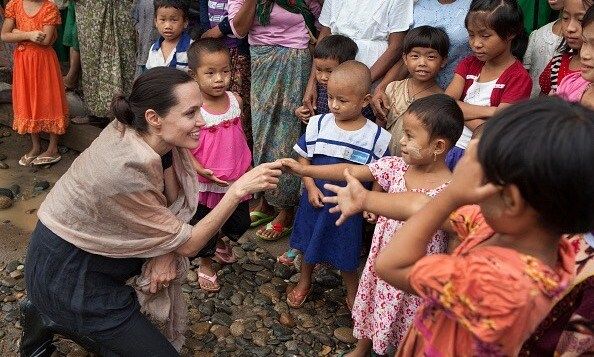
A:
{"points": [[225, 255], [210, 278]]}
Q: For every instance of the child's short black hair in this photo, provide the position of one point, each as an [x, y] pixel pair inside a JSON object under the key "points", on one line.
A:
{"points": [[176, 4], [338, 47], [441, 115], [204, 45], [427, 36], [544, 147], [505, 17], [588, 17]]}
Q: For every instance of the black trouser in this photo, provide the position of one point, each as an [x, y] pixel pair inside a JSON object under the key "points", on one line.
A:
{"points": [[138, 337], [237, 224]]}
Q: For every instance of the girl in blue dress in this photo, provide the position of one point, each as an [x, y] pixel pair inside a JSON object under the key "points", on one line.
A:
{"points": [[342, 136]]}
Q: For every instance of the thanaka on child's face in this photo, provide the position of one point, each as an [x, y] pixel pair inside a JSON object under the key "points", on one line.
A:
{"points": [[170, 22], [587, 53], [416, 146], [323, 68], [213, 73], [423, 63], [484, 41], [345, 99], [571, 22]]}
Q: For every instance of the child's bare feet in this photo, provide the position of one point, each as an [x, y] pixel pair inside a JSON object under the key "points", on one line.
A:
{"points": [[362, 349]]}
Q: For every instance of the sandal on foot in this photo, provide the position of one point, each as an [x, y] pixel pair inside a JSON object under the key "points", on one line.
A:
{"points": [[26, 160], [224, 255], [296, 301], [210, 278], [288, 257], [259, 218], [46, 160], [277, 228]]}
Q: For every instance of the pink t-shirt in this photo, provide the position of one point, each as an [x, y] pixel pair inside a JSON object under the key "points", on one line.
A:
{"points": [[285, 28], [572, 87]]}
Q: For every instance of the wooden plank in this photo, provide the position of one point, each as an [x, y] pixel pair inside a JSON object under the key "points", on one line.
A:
{"points": [[78, 136]]}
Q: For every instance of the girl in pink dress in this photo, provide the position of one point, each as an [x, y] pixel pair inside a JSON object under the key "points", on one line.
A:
{"points": [[223, 154]]}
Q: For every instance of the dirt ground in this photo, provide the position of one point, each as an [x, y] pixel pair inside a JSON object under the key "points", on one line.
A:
{"points": [[18, 221]]}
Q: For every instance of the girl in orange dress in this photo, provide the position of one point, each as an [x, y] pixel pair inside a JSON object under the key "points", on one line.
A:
{"points": [[38, 97], [513, 264]]}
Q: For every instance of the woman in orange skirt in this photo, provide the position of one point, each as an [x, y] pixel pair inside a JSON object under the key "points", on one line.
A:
{"points": [[38, 97]]}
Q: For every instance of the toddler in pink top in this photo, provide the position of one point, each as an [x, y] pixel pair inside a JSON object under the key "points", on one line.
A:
{"points": [[222, 155]]}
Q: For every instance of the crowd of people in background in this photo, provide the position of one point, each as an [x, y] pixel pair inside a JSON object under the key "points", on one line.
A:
{"points": [[427, 103]]}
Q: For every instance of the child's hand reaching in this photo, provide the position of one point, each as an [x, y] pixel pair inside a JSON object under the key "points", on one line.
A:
{"points": [[468, 183], [209, 174], [315, 196], [349, 200], [370, 217], [303, 113], [292, 166]]}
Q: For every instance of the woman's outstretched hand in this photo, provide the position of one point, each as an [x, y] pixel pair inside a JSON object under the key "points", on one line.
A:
{"points": [[261, 178], [349, 200]]}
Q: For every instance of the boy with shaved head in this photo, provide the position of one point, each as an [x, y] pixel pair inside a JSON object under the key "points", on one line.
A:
{"points": [[342, 136]]}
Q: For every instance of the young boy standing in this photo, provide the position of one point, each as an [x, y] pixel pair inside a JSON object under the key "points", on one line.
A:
{"points": [[170, 50]]}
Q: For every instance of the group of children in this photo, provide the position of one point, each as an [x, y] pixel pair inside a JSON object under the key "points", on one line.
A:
{"points": [[527, 179]]}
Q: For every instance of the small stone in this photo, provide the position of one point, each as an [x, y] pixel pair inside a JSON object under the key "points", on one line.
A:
{"points": [[16, 189], [226, 292], [238, 252], [264, 276], [260, 338], [286, 319], [221, 318], [282, 271], [5, 202], [7, 307], [4, 165], [3, 157], [325, 350], [221, 332], [270, 292], [249, 246], [41, 185], [31, 211], [237, 328], [237, 299], [77, 352], [8, 282], [329, 280], [207, 308], [6, 192], [201, 328], [6, 134], [291, 345], [187, 288], [192, 277], [295, 278], [252, 267], [17, 274], [345, 334], [62, 150]]}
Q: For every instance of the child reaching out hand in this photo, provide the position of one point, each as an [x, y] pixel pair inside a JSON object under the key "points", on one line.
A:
{"points": [[431, 125], [345, 135], [512, 265], [222, 155]]}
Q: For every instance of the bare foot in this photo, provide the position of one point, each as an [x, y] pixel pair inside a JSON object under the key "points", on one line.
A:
{"points": [[208, 280]]}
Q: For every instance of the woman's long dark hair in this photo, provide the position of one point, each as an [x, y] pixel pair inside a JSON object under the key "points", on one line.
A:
{"points": [[154, 89]]}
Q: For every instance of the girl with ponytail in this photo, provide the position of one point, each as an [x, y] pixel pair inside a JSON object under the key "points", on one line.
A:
{"points": [[493, 77]]}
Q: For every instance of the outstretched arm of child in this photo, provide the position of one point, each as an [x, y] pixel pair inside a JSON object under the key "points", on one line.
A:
{"points": [[328, 172], [208, 174], [410, 241], [369, 216], [354, 198], [314, 195], [303, 114]]}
